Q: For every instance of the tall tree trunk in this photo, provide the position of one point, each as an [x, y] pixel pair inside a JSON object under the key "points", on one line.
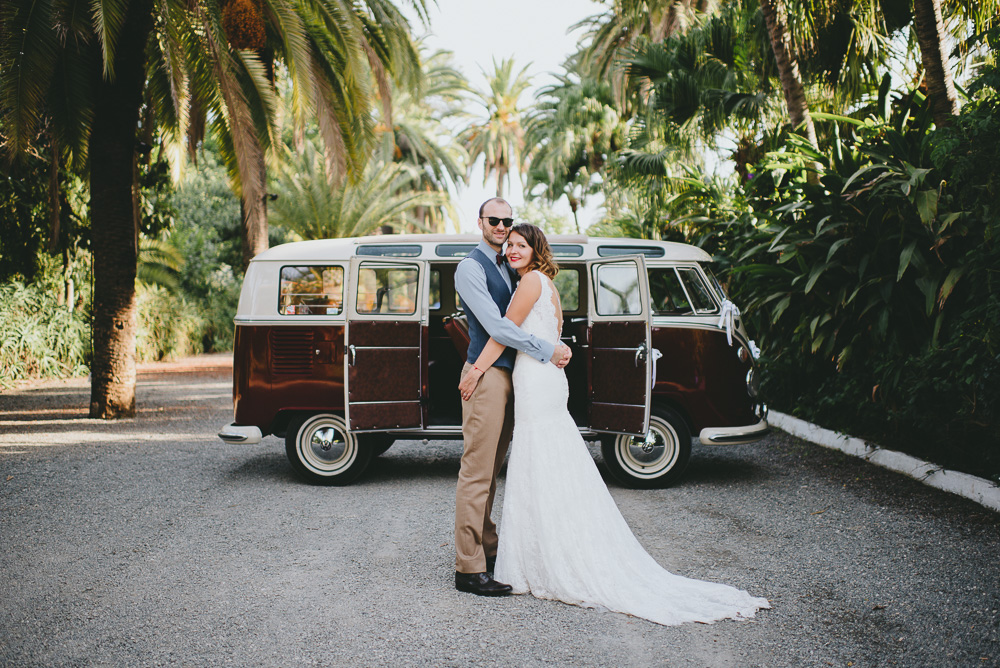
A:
{"points": [[929, 28], [54, 208], [788, 67], [113, 222], [253, 212]]}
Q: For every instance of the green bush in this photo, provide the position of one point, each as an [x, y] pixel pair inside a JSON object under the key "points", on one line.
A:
{"points": [[207, 234], [38, 336], [169, 325], [876, 292]]}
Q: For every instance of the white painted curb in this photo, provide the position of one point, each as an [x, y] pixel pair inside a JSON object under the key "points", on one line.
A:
{"points": [[980, 490]]}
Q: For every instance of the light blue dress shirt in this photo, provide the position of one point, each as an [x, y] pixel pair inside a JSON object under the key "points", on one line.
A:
{"points": [[470, 281]]}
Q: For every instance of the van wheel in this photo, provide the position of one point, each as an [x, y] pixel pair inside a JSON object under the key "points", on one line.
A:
{"points": [[323, 451], [656, 460]]}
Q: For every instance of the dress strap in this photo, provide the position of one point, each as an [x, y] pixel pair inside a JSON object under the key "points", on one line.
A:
{"points": [[546, 281]]}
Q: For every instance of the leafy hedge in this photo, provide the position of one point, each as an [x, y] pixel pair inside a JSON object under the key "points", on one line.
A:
{"points": [[876, 291], [169, 325], [38, 336]]}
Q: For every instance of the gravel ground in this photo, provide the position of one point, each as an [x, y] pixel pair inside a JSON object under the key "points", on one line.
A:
{"points": [[149, 542]]}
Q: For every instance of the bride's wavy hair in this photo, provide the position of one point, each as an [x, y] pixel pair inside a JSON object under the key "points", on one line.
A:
{"points": [[541, 253]]}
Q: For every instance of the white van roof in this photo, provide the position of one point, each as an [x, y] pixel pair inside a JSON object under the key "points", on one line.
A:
{"points": [[450, 246]]}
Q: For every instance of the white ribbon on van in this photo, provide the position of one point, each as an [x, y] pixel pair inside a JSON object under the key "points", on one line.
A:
{"points": [[727, 319], [656, 354]]}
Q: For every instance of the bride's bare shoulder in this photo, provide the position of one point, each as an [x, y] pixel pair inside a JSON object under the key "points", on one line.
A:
{"points": [[531, 281], [528, 288], [540, 278]]}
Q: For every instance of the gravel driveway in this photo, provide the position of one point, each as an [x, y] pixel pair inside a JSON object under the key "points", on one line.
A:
{"points": [[149, 542]]}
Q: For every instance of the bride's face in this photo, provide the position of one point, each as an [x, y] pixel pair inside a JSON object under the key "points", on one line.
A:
{"points": [[519, 253]]}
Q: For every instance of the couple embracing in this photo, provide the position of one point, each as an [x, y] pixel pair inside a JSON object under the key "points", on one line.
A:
{"points": [[562, 536]]}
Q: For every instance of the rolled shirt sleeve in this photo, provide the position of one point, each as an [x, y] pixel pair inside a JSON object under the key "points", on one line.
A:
{"points": [[470, 281]]}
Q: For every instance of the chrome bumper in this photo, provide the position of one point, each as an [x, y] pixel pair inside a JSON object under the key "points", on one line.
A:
{"points": [[233, 433], [734, 435]]}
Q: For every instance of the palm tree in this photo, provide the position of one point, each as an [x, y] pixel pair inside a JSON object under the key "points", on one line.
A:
{"points": [[500, 136], [85, 66], [814, 22], [87, 76], [776, 18], [571, 134], [340, 61], [422, 135], [308, 206], [714, 78], [612, 35]]}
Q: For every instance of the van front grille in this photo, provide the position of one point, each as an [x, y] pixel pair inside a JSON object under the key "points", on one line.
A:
{"points": [[291, 351]]}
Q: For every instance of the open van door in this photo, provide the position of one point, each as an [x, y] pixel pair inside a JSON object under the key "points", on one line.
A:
{"points": [[620, 364], [385, 356]]}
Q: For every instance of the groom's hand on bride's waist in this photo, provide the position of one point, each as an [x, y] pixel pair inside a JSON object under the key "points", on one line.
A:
{"points": [[561, 355]]}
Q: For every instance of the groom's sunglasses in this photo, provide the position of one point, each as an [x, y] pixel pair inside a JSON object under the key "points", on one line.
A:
{"points": [[494, 221]]}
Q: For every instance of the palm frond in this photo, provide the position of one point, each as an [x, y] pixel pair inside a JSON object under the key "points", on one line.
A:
{"points": [[237, 115], [159, 263], [28, 57], [109, 18]]}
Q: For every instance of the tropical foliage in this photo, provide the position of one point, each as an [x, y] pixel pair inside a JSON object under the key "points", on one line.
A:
{"points": [[405, 180], [423, 135], [572, 130], [165, 72], [876, 291], [387, 194], [817, 151]]}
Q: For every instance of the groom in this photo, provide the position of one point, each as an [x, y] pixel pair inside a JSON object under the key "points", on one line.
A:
{"points": [[485, 284]]}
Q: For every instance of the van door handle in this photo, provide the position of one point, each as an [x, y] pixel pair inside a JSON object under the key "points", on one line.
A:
{"points": [[640, 353], [352, 353]]}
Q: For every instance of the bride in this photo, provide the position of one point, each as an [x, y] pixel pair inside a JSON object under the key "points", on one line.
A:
{"points": [[561, 534]]}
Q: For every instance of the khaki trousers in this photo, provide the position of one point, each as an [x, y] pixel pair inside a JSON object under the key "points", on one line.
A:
{"points": [[487, 425]]}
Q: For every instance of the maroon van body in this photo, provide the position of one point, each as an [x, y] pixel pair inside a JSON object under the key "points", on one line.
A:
{"points": [[381, 314]]}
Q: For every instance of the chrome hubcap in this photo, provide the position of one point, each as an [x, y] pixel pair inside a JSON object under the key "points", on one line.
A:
{"points": [[325, 445], [649, 456]]}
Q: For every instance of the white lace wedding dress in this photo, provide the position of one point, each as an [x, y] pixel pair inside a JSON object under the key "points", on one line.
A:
{"points": [[561, 534]]}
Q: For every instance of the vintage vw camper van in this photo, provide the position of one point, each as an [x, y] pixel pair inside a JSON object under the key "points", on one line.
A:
{"points": [[345, 345]]}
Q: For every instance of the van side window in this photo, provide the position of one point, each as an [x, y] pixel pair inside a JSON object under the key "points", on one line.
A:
{"points": [[311, 290], [697, 290], [666, 293], [387, 290], [618, 290], [680, 291]]}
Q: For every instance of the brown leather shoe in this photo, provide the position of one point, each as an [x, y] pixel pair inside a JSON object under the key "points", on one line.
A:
{"points": [[480, 584]]}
